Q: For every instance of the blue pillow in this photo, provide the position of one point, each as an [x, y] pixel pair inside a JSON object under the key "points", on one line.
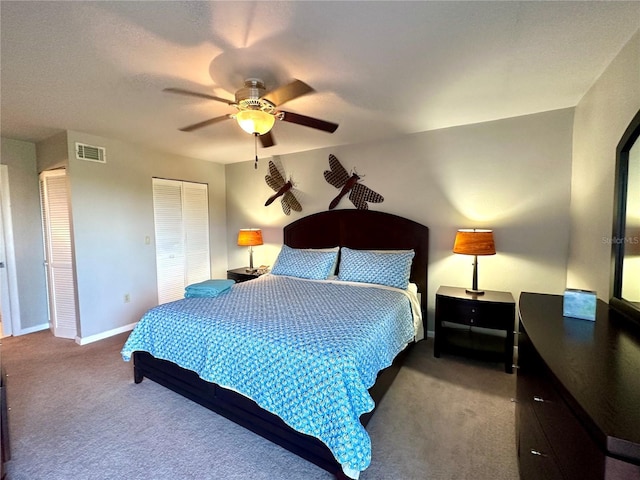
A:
{"points": [[305, 263], [391, 268]]}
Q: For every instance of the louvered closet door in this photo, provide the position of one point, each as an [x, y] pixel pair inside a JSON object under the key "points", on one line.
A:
{"points": [[58, 253], [196, 229], [181, 217]]}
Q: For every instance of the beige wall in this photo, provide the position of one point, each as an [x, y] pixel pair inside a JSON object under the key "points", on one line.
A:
{"points": [[601, 118], [511, 175], [112, 214], [52, 153], [112, 210]]}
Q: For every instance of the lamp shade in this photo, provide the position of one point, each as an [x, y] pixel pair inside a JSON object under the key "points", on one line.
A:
{"points": [[249, 237], [471, 241], [255, 121]]}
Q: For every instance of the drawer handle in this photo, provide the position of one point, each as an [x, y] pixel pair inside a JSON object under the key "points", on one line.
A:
{"points": [[538, 399], [537, 453]]}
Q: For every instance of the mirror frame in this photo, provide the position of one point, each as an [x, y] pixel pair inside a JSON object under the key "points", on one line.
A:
{"points": [[628, 139]]}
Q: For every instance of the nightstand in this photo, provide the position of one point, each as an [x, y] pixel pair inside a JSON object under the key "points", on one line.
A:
{"points": [[241, 275], [479, 325]]}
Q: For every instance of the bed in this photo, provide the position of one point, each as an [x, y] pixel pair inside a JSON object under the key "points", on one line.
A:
{"points": [[354, 229]]}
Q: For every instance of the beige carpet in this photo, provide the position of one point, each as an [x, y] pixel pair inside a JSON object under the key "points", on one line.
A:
{"points": [[76, 414]]}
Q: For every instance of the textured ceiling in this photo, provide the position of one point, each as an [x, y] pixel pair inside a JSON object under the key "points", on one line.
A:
{"points": [[380, 69]]}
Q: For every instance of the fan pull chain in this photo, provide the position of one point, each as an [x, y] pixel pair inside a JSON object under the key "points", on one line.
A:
{"points": [[255, 135]]}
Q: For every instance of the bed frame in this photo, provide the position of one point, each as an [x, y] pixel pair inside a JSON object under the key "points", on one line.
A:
{"points": [[358, 229]]}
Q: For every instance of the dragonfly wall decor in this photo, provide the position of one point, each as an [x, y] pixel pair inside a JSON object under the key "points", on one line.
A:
{"points": [[339, 178], [283, 189]]}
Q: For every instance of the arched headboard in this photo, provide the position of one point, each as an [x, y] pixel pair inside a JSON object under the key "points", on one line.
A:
{"points": [[364, 230]]}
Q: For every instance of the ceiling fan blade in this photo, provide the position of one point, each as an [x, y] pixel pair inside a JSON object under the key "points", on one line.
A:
{"points": [[267, 140], [189, 93], [308, 121], [211, 121], [283, 94]]}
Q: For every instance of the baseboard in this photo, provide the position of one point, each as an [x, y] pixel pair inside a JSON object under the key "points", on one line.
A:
{"points": [[37, 328], [103, 335]]}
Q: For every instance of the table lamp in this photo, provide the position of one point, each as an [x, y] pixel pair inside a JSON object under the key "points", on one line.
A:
{"points": [[471, 241], [250, 237]]}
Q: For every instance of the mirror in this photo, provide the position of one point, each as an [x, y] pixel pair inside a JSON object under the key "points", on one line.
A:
{"points": [[626, 224]]}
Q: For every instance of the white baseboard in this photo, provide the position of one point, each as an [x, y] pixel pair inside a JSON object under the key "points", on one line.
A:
{"points": [[103, 335], [37, 328]]}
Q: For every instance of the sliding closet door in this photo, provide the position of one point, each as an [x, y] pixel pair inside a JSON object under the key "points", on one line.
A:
{"points": [[58, 253], [181, 215]]}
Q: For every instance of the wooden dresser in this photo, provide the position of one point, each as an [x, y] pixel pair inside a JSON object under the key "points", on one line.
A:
{"points": [[578, 394]]}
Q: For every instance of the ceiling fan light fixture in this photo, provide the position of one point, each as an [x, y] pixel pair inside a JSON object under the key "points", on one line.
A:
{"points": [[255, 121]]}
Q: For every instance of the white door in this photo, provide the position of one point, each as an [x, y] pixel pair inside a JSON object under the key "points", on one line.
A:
{"points": [[58, 253], [195, 207], [9, 304], [5, 312], [181, 216]]}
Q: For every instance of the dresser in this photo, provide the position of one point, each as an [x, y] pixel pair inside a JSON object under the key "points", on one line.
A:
{"points": [[578, 394]]}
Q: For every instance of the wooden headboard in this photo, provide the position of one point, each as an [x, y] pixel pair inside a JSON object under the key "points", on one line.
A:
{"points": [[364, 230]]}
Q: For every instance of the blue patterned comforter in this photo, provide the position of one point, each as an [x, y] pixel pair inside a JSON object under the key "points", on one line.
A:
{"points": [[305, 350]]}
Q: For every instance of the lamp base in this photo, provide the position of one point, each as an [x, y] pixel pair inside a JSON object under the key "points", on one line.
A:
{"points": [[471, 291], [251, 270]]}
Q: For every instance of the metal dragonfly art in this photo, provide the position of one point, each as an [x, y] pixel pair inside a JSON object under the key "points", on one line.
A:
{"points": [[339, 178], [283, 189]]}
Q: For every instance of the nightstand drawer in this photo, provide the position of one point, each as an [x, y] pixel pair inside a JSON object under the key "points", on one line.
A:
{"points": [[475, 314]]}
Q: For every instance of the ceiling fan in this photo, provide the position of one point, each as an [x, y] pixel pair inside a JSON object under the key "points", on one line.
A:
{"points": [[257, 109]]}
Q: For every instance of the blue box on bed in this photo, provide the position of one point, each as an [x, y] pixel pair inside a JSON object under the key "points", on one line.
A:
{"points": [[579, 304]]}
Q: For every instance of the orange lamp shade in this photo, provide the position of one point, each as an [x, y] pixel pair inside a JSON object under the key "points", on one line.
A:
{"points": [[250, 237], [471, 241]]}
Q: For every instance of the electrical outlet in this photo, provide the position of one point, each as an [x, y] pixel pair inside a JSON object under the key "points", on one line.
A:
{"points": [[127, 298]]}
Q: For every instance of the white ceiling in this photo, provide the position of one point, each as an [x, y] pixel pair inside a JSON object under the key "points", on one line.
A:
{"points": [[380, 69]]}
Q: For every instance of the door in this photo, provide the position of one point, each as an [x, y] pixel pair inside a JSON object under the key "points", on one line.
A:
{"points": [[181, 217], [9, 305], [58, 253], [5, 312]]}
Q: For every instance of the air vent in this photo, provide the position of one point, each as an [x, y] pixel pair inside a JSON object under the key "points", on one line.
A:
{"points": [[91, 153]]}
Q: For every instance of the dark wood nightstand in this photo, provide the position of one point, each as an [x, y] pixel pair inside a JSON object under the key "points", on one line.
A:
{"points": [[241, 275], [482, 325]]}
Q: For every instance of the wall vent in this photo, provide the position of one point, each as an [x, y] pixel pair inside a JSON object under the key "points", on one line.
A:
{"points": [[91, 153]]}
